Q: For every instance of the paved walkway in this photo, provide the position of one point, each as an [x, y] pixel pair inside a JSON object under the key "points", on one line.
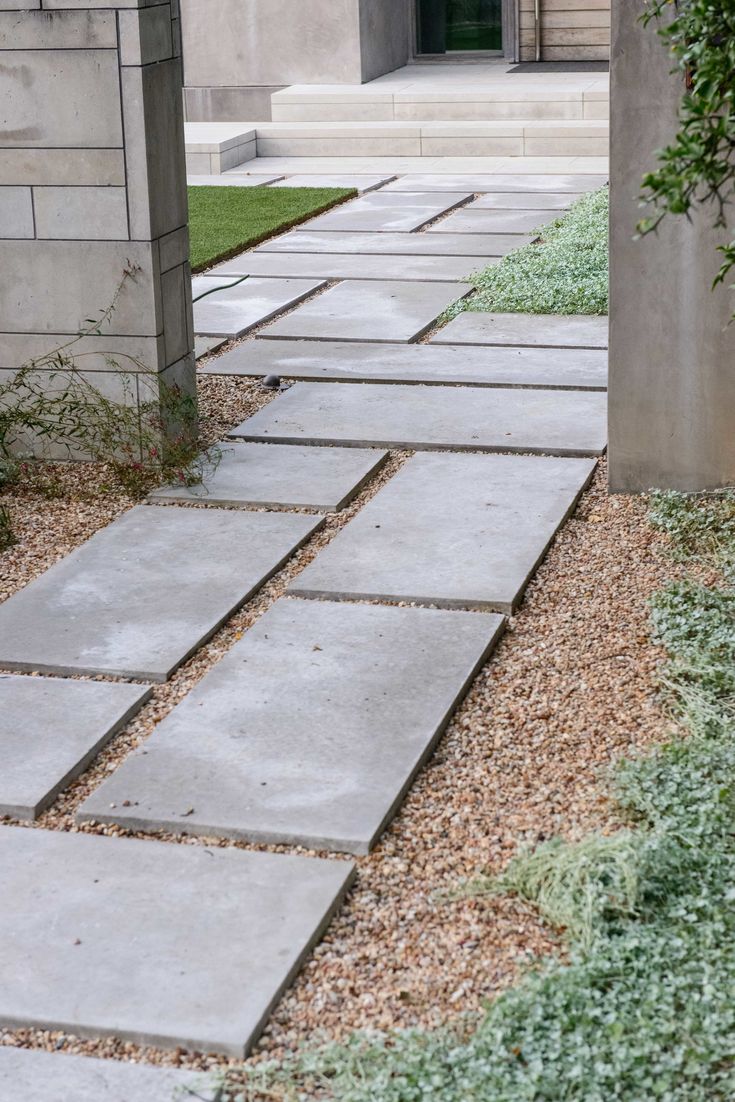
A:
{"points": [[310, 730]]}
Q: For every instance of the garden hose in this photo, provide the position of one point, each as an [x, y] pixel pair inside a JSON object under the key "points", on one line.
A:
{"points": [[221, 288]]}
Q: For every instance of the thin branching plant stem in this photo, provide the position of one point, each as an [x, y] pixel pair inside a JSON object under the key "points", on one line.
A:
{"points": [[51, 404]]}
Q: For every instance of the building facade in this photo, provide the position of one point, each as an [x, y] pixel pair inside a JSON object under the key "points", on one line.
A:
{"points": [[238, 52]]}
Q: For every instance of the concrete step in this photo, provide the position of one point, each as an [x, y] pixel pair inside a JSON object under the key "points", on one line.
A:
{"points": [[208, 150], [486, 102]]}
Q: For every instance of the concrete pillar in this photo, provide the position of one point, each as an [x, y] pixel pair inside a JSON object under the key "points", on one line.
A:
{"points": [[93, 186], [672, 349]]}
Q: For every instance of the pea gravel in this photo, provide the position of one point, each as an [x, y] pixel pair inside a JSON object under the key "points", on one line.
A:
{"points": [[570, 688]]}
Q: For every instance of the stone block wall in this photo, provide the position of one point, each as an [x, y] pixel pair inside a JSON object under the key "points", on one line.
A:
{"points": [[93, 206]]}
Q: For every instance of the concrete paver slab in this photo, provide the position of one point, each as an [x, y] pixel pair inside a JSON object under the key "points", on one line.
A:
{"points": [[429, 269], [142, 594], [204, 345], [472, 220], [309, 731], [567, 368], [529, 330], [527, 200], [231, 311], [232, 179], [451, 530], [361, 184], [37, 1076], [155, 943], [379, 211], [278, 476], [480, 182], [558, 422], [395, 244], [369, 310], [50, 729]]}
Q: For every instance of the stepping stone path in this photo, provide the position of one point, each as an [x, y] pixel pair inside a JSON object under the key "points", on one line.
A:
{"points": [[130, 601], [472, 220], [451, 530], [50, 729], [477, 245], [281, 478], [339, 266], [204, 345], [31, 1075], [311, 728], [466, 419], [232, 179], [568, 368], [541, 330], [518, 200], [362, 310], [444, 182], [169, 945], [229, 311], [308, 732], [384, 213], [361, 184]]}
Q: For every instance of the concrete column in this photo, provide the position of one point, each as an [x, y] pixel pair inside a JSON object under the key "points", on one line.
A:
{"points": [[672, 349], [93, 186]]}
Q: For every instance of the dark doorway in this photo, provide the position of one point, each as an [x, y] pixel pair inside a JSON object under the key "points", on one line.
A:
{"points": [[458, 26]]}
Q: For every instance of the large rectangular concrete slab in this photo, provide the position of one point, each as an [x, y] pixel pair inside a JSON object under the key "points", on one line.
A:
{"points": [[309, 731], [50, 729], [362, 310], [564, 368], [169, 945], [394, 244], [229, 311], [526, 330], [232, 179], [504, 182], [281, 477], [361, 184], [526, 200], [429, 269], [429, 417], [37, 1076], [451, 530], [142, 594], [381, 212], [472, 220]]}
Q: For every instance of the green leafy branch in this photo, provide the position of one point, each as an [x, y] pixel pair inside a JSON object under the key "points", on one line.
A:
{"points": [[698, 167]]}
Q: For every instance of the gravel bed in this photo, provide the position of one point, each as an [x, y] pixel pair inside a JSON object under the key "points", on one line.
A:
{"points": [[570, 688], [54, 507]]}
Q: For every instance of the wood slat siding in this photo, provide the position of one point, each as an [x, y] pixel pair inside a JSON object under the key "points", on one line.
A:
{"points": [[571, 30]]}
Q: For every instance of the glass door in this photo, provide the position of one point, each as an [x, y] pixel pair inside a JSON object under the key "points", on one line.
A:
{"points": [[456, 26]]}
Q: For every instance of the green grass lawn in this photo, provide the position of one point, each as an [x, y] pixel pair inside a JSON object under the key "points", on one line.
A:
{"points": [[225, 220], [565, 273]]}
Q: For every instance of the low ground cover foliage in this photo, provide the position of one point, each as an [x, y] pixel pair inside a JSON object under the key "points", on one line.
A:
{"points": [[643, 1005], [565, 273], [225, 220]]}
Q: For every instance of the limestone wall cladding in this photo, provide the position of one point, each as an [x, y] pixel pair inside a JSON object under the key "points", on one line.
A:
{"points": [[672, 349], [571, 30], [92, 185], [237, 52]]}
